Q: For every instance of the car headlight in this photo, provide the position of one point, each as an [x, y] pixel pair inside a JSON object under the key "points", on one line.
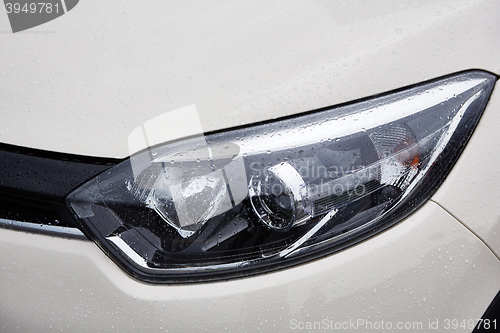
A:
{"points": [[267, 196]]}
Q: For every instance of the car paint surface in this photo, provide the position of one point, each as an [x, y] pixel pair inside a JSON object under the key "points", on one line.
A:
{"points": [[427, 267], [471, 191], [84, 82]]}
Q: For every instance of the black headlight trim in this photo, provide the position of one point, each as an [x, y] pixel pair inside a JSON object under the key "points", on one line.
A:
{"points": [[34, 184]]}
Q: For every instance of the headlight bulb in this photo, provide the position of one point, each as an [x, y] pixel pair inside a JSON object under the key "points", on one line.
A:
{"points": [[279, 197]]}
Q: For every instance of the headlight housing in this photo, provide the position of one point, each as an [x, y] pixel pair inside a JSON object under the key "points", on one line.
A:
{"points": [[268, 196]]}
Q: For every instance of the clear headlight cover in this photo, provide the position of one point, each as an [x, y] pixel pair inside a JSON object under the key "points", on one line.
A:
{"points": [[268, 196]]}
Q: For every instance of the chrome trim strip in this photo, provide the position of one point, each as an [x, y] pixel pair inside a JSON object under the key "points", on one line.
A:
{"points": [[52, 230]]}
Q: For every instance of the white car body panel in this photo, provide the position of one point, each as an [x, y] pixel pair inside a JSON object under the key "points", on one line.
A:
{"points": [[471, 192], [82, 83], [91, 76], [425, 268]]}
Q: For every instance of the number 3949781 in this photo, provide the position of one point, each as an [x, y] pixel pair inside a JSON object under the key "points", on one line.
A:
{"points": [[32, 8]]}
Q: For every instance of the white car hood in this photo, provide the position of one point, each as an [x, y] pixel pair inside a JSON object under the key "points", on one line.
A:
{"points": [[83, 82]]}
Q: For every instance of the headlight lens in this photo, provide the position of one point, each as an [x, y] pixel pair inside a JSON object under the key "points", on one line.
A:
{"points": [[271, 195]]}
